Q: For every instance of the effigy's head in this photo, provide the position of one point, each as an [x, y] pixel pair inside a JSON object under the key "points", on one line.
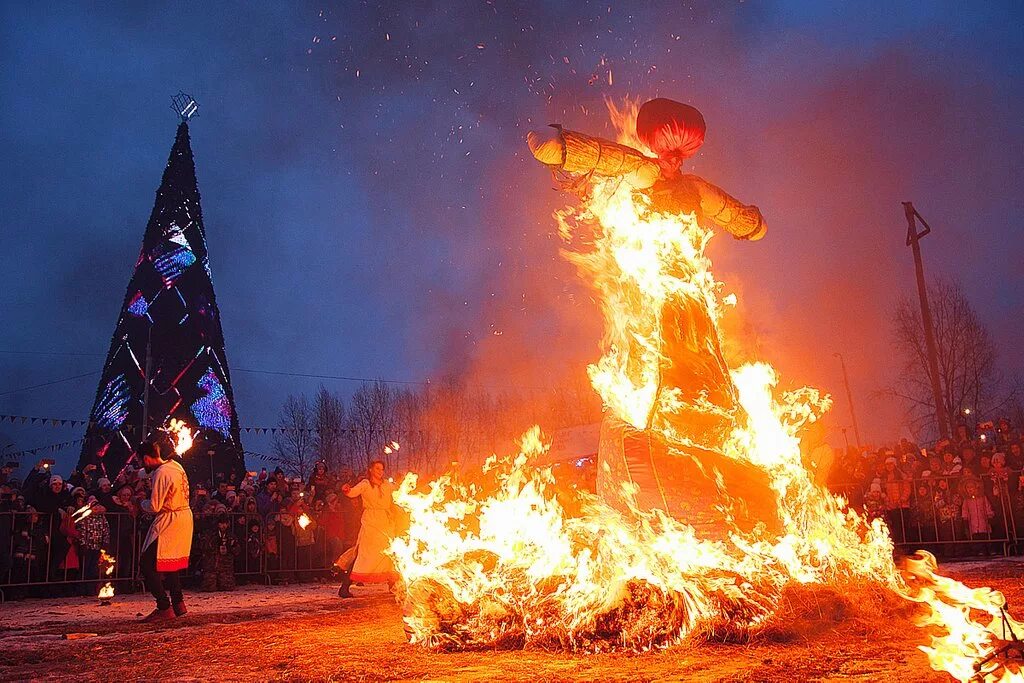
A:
{"points": [[672, 130]]}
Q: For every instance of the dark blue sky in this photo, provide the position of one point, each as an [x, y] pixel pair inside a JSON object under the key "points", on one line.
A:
{"points": [[370, 210]]}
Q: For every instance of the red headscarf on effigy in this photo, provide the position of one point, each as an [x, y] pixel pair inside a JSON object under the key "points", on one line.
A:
{"points": [[671, 129]]}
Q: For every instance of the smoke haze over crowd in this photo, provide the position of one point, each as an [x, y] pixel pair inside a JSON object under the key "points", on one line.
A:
{"points": [[371, 208]]}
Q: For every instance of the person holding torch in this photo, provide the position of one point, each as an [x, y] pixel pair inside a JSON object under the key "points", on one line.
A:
{"points": [[168, 544], [366, 561]]}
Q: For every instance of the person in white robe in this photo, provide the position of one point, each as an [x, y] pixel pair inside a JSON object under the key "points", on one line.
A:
{"points": [[368, 563], [168, 544]]}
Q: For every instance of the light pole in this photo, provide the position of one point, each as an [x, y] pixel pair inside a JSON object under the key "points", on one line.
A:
{"points": [[849, 399], [913, 238]]}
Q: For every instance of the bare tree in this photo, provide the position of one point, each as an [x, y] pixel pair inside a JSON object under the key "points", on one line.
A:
{"points": [[294, 444], [969, 373], [371, 422], [434, 425], [329, 422]]}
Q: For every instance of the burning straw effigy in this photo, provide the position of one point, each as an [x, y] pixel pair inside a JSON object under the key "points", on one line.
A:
{"points": [[706, 523]]}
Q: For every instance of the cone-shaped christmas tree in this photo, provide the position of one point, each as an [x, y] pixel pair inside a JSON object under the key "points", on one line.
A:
{"points": [[170, 308]]}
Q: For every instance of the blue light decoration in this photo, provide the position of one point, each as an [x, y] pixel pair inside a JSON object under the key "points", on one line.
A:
{"points": [[213, 410], [138, 306], [112, 409], [171, 260]]}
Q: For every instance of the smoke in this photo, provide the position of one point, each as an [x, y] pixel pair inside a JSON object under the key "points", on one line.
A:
{"points": [[828, 151], [371, 209]]}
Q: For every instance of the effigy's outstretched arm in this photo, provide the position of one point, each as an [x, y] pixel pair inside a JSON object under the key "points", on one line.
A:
{"points": [[576, 153]]}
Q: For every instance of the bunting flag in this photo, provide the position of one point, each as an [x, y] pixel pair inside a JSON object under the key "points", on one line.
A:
{"points": [[65, 422], [52, 448]]}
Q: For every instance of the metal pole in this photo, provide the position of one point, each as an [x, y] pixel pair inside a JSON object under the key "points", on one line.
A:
{"points": [[145, 390], [849, 399], [913, 239]]}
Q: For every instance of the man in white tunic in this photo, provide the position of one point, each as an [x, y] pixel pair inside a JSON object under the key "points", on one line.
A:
{"points": [[169, 541], [376, 529]]}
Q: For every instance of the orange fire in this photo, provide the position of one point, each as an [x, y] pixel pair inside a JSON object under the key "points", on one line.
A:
{"points": [[510, 559], [106, 565], [966, 624], [181, 436], [304, 520], [81, 513]]}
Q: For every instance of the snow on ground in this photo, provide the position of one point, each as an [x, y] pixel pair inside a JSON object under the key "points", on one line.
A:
{"points": [[73, 613], [306, 632]]}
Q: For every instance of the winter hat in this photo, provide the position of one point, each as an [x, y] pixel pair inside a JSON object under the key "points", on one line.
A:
{"points": [[102, 481], [78, 490], [56, 478]]}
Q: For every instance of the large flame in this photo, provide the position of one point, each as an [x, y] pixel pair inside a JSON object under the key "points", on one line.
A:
{"points": [[509, 558]]}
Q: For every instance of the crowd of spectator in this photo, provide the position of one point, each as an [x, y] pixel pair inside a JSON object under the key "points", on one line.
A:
{"points": [[962, 496], [267, 528]]}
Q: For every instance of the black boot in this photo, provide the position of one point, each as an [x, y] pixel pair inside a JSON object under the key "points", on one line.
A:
{"points": [[346, 582]]}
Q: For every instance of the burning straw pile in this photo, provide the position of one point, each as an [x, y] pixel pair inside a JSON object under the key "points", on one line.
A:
{"points": [[501, 562]]}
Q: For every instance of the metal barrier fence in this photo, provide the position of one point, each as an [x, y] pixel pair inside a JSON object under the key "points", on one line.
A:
{"points": [[929, 513], [38, 548], [34, 547], [956, 515], [41, 550]]}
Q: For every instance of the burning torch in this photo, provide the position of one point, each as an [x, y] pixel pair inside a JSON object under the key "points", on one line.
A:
{"points": [[106, 569], [81, 513], [181, 436]]}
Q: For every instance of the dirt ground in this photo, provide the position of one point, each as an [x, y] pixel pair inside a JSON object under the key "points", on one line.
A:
{"points": [[306, 632]]}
